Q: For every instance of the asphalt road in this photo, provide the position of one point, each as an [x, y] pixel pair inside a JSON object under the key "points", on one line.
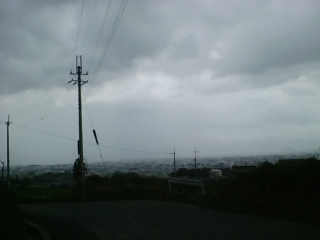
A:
{"points": [[157, 220]]}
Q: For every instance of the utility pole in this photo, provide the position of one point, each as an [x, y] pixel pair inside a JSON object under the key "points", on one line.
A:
{"points": [[2, 171], [80, 145], [8, 155], [195, 158], [174, 160]]}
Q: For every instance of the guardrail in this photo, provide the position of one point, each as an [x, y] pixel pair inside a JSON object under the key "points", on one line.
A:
{"points": [[184, 181]]}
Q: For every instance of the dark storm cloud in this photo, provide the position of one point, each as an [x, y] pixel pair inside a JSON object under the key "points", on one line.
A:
{"points": [[255, 42], [33, 44], [281, 44], [226, 76], [180, 38]]}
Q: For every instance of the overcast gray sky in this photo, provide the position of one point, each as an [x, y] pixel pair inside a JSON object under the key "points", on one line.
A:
{"points": [[226, 76]]}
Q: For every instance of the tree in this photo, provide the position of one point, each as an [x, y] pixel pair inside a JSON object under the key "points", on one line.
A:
{"points": [[76, 170]]}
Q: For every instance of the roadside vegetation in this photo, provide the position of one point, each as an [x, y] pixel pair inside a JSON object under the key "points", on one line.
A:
{"points": [[289, 189]]}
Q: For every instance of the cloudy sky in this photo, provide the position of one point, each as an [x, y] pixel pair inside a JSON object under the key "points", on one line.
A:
{"points": [[228, 77]]}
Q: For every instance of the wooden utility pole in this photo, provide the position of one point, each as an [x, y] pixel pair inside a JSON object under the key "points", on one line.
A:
{"points": [[195, 158], [2, 171], [8, 152], [174, 160], [80, 145]]}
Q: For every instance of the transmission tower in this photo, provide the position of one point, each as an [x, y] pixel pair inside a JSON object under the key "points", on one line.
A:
{"points": [[80, 143]]}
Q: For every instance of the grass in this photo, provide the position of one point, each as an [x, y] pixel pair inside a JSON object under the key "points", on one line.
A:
{"points": [[42, 194]]}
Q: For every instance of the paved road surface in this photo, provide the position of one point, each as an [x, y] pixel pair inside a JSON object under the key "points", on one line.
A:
{"points": [[157, 220]]}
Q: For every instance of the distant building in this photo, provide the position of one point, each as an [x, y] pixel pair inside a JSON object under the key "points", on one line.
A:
{"points": [[215, 173]]}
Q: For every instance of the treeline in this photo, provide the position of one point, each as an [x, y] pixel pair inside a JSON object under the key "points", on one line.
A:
{"points": [[289, 189], [199, 173]]}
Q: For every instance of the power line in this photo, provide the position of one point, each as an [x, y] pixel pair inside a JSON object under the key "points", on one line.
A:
{"points": [[44, 132], [42, 100], [39, 101], [99, 37], [103, 55], [132, 150], [78, 32], [122, 149], [113, 30], [89, 23], [33, 106], [45, 99], [101, 157]]}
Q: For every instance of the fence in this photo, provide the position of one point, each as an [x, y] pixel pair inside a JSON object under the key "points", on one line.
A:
{"points": [[183, 181]]}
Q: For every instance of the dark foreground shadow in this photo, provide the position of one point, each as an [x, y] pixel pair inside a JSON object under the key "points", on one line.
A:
{"points": [[158, 220]]}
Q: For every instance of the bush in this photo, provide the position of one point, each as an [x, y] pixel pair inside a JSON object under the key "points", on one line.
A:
{"points": [[125, 186], [192, 173], [288, 189]]}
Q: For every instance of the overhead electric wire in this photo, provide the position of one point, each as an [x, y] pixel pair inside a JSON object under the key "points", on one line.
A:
{"points": [[106, 48], [23, 126], [78, 33], [101, 157], [88, 26], [44, 132], [21, 112], [113, 30], [38, 102], [132, 150], [99, 37], [114, 27], [45, 99]]}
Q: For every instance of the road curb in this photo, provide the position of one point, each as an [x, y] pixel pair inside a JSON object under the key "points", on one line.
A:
{"points": [[40, 230]]}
